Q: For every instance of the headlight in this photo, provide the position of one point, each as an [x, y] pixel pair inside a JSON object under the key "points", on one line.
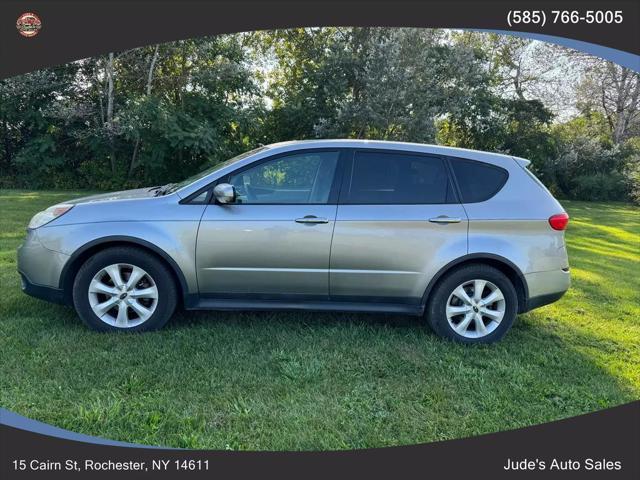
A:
{"points": [[51, 213]]}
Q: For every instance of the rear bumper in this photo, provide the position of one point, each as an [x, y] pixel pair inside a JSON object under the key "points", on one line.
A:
{"points": [[546, 287], [543, 300]]}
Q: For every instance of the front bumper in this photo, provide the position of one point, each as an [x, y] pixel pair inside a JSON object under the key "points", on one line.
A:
{"points": [[40, 269], [50, 294]]}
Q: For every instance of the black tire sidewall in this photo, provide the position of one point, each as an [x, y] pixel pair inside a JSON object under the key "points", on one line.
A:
{"points": [[436, 311], [167, 294]]}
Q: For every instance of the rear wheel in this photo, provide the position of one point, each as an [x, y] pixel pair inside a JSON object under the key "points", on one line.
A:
{"points": [[473, 304], [124, 288]]}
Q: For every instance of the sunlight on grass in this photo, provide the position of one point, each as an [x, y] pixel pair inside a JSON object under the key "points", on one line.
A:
{"points": [[585, 276], [288, 381], [602, 252]]}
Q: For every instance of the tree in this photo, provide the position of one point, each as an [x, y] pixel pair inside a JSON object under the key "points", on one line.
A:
{"points": [[29, 136], [160, 113], [516, 127], [148, 115], [615, 91], [368, 82]]}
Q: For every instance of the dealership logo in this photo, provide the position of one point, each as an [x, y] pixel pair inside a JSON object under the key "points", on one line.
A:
{"points": [[28, 24]]}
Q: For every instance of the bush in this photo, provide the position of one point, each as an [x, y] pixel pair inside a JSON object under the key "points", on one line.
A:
{"points": [[588, 168], [600, 187], [633, 180]]}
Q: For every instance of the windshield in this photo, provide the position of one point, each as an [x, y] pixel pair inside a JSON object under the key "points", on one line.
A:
{"points": [[215, 168]]}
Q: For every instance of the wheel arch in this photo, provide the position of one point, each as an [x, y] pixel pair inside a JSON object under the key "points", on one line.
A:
{"points": [[89, 249], [513, 273]]}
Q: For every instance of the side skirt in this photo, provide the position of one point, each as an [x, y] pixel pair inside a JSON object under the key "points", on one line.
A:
{"points": [[318, 306]]}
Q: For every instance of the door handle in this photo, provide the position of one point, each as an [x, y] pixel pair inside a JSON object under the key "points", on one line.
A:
{"points": [[311, 219], [444, 219]]}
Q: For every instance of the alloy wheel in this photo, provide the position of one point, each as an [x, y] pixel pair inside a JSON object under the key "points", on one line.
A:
{"points": [[123, 295], [475, 308]]}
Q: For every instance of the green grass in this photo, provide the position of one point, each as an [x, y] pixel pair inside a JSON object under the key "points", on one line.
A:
{"points": [[288, 381]]}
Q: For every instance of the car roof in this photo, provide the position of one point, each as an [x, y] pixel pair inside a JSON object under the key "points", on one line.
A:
{"points": [[388, 145]]}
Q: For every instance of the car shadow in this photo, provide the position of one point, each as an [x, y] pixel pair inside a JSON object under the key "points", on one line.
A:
{"points": [[296, 318]]}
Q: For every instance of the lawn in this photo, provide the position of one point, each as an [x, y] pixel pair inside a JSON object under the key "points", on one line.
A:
{"points": [[290, 381]]}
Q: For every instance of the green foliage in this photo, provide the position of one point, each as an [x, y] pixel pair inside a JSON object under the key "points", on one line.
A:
{"points": [[599, 186], [632, 169], [587, 165], [195, 107], [172, 110], [368, 82], [517, 127]]}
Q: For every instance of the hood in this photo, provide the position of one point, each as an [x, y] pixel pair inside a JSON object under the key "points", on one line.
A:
{"points": [[108, 197]]}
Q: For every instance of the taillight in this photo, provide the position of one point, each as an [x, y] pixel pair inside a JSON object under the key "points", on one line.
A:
{"points": [[559, 221]]}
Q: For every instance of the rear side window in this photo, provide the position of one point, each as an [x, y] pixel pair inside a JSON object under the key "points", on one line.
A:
{"points": [[478, 181], [397, 178]]}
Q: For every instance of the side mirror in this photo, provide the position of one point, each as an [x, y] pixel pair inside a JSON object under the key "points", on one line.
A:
{"points": [[224, 193]]}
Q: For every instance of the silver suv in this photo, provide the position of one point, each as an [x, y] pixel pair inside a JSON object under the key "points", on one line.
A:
{"points": [[469, 239]]}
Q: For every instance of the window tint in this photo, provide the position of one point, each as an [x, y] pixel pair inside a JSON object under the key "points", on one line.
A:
{"points": [[398, 178], [298, 178], [478, 181]]}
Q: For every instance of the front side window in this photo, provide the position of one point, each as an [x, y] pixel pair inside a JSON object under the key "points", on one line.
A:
{"points": [[215, 168], [301, 178], [397, 178]]}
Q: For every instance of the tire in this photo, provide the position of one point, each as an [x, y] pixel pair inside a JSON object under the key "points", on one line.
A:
{"points": [[451, 316], [145, 305]]}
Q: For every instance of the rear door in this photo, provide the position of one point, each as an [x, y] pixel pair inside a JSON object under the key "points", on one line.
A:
{"points": [[398, 222], [274, 241]]}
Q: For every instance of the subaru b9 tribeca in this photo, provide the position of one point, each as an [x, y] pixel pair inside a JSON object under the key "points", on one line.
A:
{"points": [[468, 239]]}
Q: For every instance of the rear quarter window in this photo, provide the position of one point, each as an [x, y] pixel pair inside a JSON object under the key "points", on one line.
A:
{"points": [[478, 181]]}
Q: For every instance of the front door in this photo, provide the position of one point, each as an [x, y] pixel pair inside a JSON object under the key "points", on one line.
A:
{"points": [[398, 223], [275, 240]]}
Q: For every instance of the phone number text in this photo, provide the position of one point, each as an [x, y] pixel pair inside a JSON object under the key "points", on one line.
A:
{"points": [[540, 17]]}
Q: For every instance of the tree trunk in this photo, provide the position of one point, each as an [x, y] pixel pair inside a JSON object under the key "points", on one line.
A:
{"points": [[517, 82], [134, 156], [110, 126], [626, 105], [620, 90], [152, 66], [7, 145], [136, 147]]}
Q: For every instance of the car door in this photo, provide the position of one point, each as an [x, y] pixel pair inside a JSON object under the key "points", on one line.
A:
{"points": [[274, 240], [398, 222]]}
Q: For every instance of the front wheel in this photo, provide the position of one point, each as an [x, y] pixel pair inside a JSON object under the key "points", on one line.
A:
{"points": [[473, 304], [124, 288]]}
